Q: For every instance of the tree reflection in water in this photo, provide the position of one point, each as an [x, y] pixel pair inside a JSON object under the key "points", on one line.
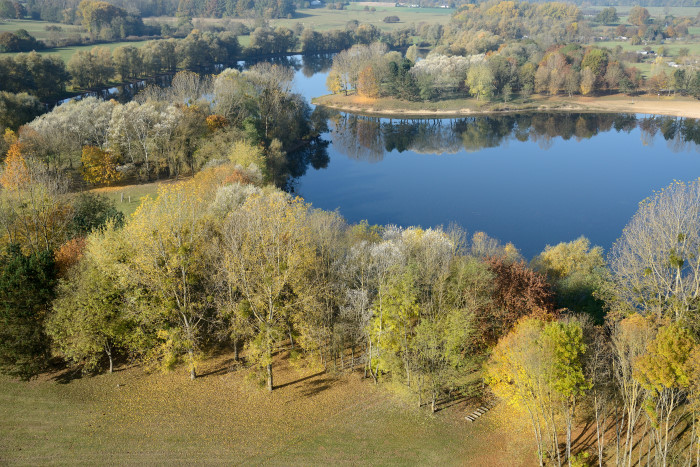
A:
{"points": [[369, 138]]}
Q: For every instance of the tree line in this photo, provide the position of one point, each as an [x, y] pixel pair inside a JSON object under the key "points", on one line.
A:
{"points": [[517, 69], [31, 78]]}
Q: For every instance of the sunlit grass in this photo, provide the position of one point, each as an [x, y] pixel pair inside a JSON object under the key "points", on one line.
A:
{"points": [[312, 418]]}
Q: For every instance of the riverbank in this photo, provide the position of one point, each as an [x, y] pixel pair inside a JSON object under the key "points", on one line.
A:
{"points": [[618, 103]]}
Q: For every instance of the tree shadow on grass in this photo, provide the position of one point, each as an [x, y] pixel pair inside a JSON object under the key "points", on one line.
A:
{"points": [[221, 368], [67, 375], [315, 387], [305, 378]]}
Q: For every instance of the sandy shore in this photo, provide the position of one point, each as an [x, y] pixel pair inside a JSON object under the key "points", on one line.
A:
{"points": [[673, 106]]}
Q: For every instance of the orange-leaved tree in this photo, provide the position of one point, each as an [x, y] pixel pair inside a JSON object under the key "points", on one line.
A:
{"points": [[16, 172]]}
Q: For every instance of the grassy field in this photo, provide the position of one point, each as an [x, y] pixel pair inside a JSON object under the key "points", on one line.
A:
{"points": [[128, 197], [653, 10], [37, 28], [65, 53], [311, 418], [322, 19]]}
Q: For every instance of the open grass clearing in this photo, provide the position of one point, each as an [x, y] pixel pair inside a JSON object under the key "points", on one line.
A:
{"points": [[128, 197], [671, 47], [65, 53], [38, 28], [312, 418], [323, 19], [623, 10]]}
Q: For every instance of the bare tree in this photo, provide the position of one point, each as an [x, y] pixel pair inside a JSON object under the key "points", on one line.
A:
{"points": [[655, 263]]}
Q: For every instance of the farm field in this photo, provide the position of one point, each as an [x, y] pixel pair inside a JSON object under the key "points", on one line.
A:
{"points": [[653, 10], [65, 53], [310, 419], [322, 19], [38, 28]]}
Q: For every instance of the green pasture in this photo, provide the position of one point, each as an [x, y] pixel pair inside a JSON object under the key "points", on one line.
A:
{"points": [[653, 10], [66, 53], [312, 418], [323, 19], [38, 28]]}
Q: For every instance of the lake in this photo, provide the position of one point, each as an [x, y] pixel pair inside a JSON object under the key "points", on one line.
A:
{"points": [[530, 179]]}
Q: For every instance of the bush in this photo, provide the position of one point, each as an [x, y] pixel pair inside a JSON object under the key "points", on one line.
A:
{"points": [[391, 19]]}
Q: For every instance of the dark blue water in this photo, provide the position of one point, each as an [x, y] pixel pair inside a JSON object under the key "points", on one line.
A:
{"points": [[540, 191], [539, 181]]}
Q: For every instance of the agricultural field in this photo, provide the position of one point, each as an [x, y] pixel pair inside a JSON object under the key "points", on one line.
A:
{"points": [[38, 28], [311, 418], [322, 19], [65, 53], [623, 11]]}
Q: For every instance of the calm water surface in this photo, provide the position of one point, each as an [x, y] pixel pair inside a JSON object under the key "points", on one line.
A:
{"points": [[532, 180]]}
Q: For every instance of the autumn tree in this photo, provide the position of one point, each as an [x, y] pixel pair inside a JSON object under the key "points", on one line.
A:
{"points": [[656, 270], [36, 214], [99, 167], [88, 320], [638, 15], [268, 254], [666, 372], [170, 263], [368, 82], [480, 81], [538, 368], [15, 174], [519, 291], [630, 337], [394, 326], [587, 81], [577, 272]]}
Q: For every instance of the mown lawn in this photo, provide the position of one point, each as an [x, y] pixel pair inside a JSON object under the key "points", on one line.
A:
{"points": [[311, 418]]}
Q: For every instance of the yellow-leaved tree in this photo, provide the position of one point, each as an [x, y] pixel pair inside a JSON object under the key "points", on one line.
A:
{"points": [[170, 262], [269, 256], [368, 82], [334, 83], [539, 368], [99, 167]]}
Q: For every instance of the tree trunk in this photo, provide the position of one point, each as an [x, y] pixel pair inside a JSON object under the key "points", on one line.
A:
{"points": [[111, 364], [432, 403], [235, 349], [269, 377], [193, 371]]}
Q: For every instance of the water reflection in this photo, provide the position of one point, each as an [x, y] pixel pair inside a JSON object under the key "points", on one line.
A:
{"points": [[369, 139], [309, 65]]}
